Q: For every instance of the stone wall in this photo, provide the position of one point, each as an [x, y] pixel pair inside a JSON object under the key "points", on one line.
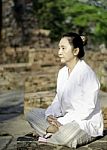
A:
{"points": [[45, 63], [98, 61], [10, 30], [104, 111], [17, 33], [38, 74], [34, 67]]}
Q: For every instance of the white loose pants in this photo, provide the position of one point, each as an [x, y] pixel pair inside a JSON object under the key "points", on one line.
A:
{"points": [[69, 135]]}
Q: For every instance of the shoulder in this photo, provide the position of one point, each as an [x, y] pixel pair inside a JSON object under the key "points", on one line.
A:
{"points": [[85, 69], [88, 75]]}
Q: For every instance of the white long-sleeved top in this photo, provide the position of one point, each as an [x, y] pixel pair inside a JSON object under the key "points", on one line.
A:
{"points": [[77, 99]]}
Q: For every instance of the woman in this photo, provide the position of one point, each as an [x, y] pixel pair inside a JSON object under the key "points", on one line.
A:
{"points": [[75, 116]]}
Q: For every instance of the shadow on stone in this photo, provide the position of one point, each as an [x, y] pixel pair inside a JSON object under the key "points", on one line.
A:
{"points": [[105, 132], [10, 112]]}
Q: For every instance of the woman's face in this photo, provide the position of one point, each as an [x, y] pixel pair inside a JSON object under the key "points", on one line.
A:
{"points": [[65, 52]]}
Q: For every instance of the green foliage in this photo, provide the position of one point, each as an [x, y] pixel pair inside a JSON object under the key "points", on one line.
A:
{"points": [[49, 17], [66, 15], [103, 88]]}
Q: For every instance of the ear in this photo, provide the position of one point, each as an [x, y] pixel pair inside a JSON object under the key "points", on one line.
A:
{"points": [[76, 51]]}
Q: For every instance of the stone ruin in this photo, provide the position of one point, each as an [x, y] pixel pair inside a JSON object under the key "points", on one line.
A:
{"points": [[33, 68], [36, 75], [20, 26]]}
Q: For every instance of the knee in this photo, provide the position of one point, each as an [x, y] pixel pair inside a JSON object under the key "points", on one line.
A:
{"points": [[28, 116], [32, 114]]}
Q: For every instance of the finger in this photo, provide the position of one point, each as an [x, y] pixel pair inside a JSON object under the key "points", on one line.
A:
{"points": [[54, 123], [59, 124], [52, 117]]}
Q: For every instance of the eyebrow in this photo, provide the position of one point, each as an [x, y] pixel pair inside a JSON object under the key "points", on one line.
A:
{"points": [[62, 46]]}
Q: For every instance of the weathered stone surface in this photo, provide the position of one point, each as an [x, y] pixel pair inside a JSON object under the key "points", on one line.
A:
{"points": [[83, 148], [46, 61], [18, 127], [98, 145], [35, 70], [10, 81], [40, 82], [12, 145], [12, 33], [11, 104], [38, 99], [33, 145], [5, 141]]}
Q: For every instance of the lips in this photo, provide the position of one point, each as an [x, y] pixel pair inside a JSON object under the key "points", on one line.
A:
{"points": [[61, 57]]}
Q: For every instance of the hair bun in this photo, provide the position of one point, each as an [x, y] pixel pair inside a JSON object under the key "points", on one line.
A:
{"points": [[84, 39]]}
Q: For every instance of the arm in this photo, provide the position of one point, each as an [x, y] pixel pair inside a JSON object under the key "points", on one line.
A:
{"points": [[54, 109]]}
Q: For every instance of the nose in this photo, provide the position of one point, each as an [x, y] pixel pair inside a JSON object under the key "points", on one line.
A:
{"points": [[59, 52]]}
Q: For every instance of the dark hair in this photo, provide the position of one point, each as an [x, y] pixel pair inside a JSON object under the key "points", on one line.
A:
{"points": [[77, 42]]}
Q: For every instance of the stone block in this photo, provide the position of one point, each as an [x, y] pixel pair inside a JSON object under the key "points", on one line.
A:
{"points": [[37, 100], [40, 81], [4, 141], [98, 145], [104, 111], [34, 145]]}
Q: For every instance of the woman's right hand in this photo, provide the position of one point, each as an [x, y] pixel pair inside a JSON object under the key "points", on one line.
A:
{"points": [[51, 119]]}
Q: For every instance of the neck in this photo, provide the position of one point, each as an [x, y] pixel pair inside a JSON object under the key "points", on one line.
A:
{"points": [[72, 64]]}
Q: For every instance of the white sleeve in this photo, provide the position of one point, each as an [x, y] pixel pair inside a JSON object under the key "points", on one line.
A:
{"points": [[84, 108], [54, 109]]}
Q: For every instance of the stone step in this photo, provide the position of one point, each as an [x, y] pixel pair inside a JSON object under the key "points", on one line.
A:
{"points": [[30, 55], [15, 67], [39, 99], [33, 80], [36, 66], [40, 82], [11, 98]]}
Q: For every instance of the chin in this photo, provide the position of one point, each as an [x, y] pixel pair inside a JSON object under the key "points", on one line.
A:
{"points": [[62, 61]]}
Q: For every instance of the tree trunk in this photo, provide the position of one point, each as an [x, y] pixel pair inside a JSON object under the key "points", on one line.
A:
{"points": [[0, 20], [19, 9]]}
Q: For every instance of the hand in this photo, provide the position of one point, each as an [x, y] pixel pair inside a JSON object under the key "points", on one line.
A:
{"points": [[53, 121], [52, 129]]}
